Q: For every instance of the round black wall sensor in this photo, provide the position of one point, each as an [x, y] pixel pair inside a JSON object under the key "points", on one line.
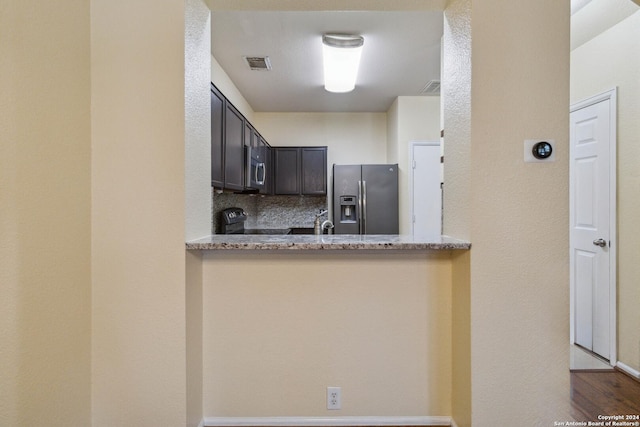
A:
{"points": [[541, 150]]}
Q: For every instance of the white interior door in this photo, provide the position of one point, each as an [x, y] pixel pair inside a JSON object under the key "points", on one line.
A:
{"points": [[426, 194], [592, 234]]}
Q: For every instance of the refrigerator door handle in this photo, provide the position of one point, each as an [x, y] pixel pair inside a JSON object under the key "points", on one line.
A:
{"points": [[364, 207], [360, 210]]}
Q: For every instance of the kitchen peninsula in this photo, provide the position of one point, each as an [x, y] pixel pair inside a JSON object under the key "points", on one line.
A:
{"points": [[298, 313]]}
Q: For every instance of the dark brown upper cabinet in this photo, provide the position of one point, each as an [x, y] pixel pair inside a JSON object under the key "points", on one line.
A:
{"points": [[286, 170], [313, 178], [234, 163], [217, 138], [234, 167], [300, 170]]}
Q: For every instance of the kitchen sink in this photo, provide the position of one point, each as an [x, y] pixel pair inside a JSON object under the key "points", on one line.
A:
{"points": [[301, 230]]}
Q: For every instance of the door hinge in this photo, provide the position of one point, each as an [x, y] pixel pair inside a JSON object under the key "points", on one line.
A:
{"points": [[414, 164]]}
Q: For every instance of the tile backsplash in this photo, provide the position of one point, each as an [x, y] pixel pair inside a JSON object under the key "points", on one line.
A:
{"points": [[270, 211]]}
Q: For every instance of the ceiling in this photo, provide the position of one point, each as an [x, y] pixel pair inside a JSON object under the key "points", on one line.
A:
{"points": [[592, 17], [401, 52], [401, 55]]}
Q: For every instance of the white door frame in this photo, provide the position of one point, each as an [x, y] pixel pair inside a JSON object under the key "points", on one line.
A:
{"points": [[412, 144], [613, 230]]}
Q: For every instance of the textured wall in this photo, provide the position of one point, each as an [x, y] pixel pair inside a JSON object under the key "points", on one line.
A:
{"points": [[138, 189], [198, 203], [197, 123], [456, 116], [45, 216], [519, 213], [611, 60]]}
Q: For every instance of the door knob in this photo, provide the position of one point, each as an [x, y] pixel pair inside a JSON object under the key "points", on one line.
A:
{"points": [[600, 242]]}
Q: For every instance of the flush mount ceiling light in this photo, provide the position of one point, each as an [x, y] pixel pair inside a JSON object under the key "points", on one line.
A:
{"points": [[341, 54]]}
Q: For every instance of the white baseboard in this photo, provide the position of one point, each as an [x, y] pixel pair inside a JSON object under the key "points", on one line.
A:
{"points": [[326, 421], [628, 369]]}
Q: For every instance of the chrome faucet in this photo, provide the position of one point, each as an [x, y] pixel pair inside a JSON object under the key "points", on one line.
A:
{"points": [[317, 227], [326, 225]]}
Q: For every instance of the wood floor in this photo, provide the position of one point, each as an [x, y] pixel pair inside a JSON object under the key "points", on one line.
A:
{"points": [[604, 393]]}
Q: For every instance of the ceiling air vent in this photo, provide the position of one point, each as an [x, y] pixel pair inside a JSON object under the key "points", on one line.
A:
{"points": [[258, 63], [432, 88]]}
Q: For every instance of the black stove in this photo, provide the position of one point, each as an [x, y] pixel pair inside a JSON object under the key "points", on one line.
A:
{"points": [[233, 223], [267, 231]]}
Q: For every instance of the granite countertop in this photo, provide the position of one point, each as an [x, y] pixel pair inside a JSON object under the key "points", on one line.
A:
{"points": [[325, 242]]}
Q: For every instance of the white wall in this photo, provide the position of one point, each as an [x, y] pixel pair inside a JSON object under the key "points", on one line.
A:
{"points": [[45, 214], [612, 60]]}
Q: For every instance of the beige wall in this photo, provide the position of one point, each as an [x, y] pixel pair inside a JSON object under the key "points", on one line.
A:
{"points": [[352, 138], [194, 353], [607, 61], [461, 342], [519, 259], [138, 196], [414, 118], [45, 216], [518, 312], [279, 328], [456, 121], [198, 202], [223, 82]]}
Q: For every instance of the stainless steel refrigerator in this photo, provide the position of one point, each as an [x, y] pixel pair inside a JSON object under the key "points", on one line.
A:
{"points": [[365, 199]]}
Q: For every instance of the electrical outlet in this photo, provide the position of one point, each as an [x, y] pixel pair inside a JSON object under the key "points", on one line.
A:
{"points": [[334, 398]]}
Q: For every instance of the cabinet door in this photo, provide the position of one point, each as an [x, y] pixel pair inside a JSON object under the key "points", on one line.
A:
{"points": [[217, 138], [286, 170], [250, 135], [234, 149], [314, 171]]}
